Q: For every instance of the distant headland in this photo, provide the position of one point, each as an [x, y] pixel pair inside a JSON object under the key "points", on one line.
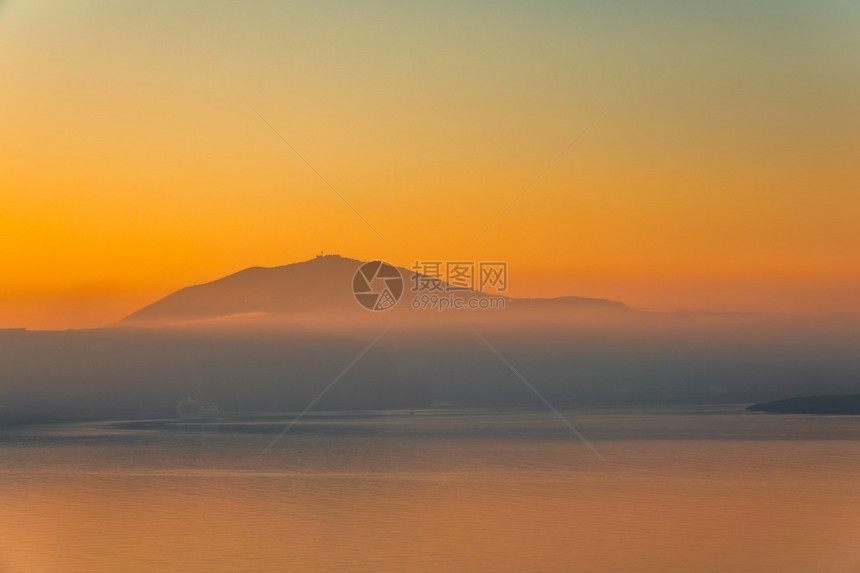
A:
{"points": [[835, 404]]}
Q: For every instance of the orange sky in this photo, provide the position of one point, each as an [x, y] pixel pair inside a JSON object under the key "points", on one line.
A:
{"points": [[721, 175]]}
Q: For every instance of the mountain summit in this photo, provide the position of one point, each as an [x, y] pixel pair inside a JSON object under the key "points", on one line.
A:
{"points": [[318, 285]]}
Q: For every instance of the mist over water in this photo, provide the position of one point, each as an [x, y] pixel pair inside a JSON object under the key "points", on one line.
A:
{"points": [[680, 489]]}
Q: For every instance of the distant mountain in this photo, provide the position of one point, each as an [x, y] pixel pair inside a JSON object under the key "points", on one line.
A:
{"points": [[566, 302], [290, 331], [320, 286], [838, 404]]}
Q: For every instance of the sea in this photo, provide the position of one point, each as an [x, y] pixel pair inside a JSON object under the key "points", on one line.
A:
{"points": [[663, 489]]}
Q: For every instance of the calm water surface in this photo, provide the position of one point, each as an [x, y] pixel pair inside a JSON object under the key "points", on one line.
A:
{"points": [[679, 489]]}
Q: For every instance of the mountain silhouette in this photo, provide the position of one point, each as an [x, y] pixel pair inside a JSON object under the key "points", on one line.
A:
{"points": [[317, 287]]}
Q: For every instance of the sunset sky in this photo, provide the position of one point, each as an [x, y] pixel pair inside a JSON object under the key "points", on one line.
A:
{"points": [[722, 171]]}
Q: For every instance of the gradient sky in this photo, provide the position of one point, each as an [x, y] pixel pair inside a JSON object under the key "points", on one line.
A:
{"points": [[722, 173]]}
